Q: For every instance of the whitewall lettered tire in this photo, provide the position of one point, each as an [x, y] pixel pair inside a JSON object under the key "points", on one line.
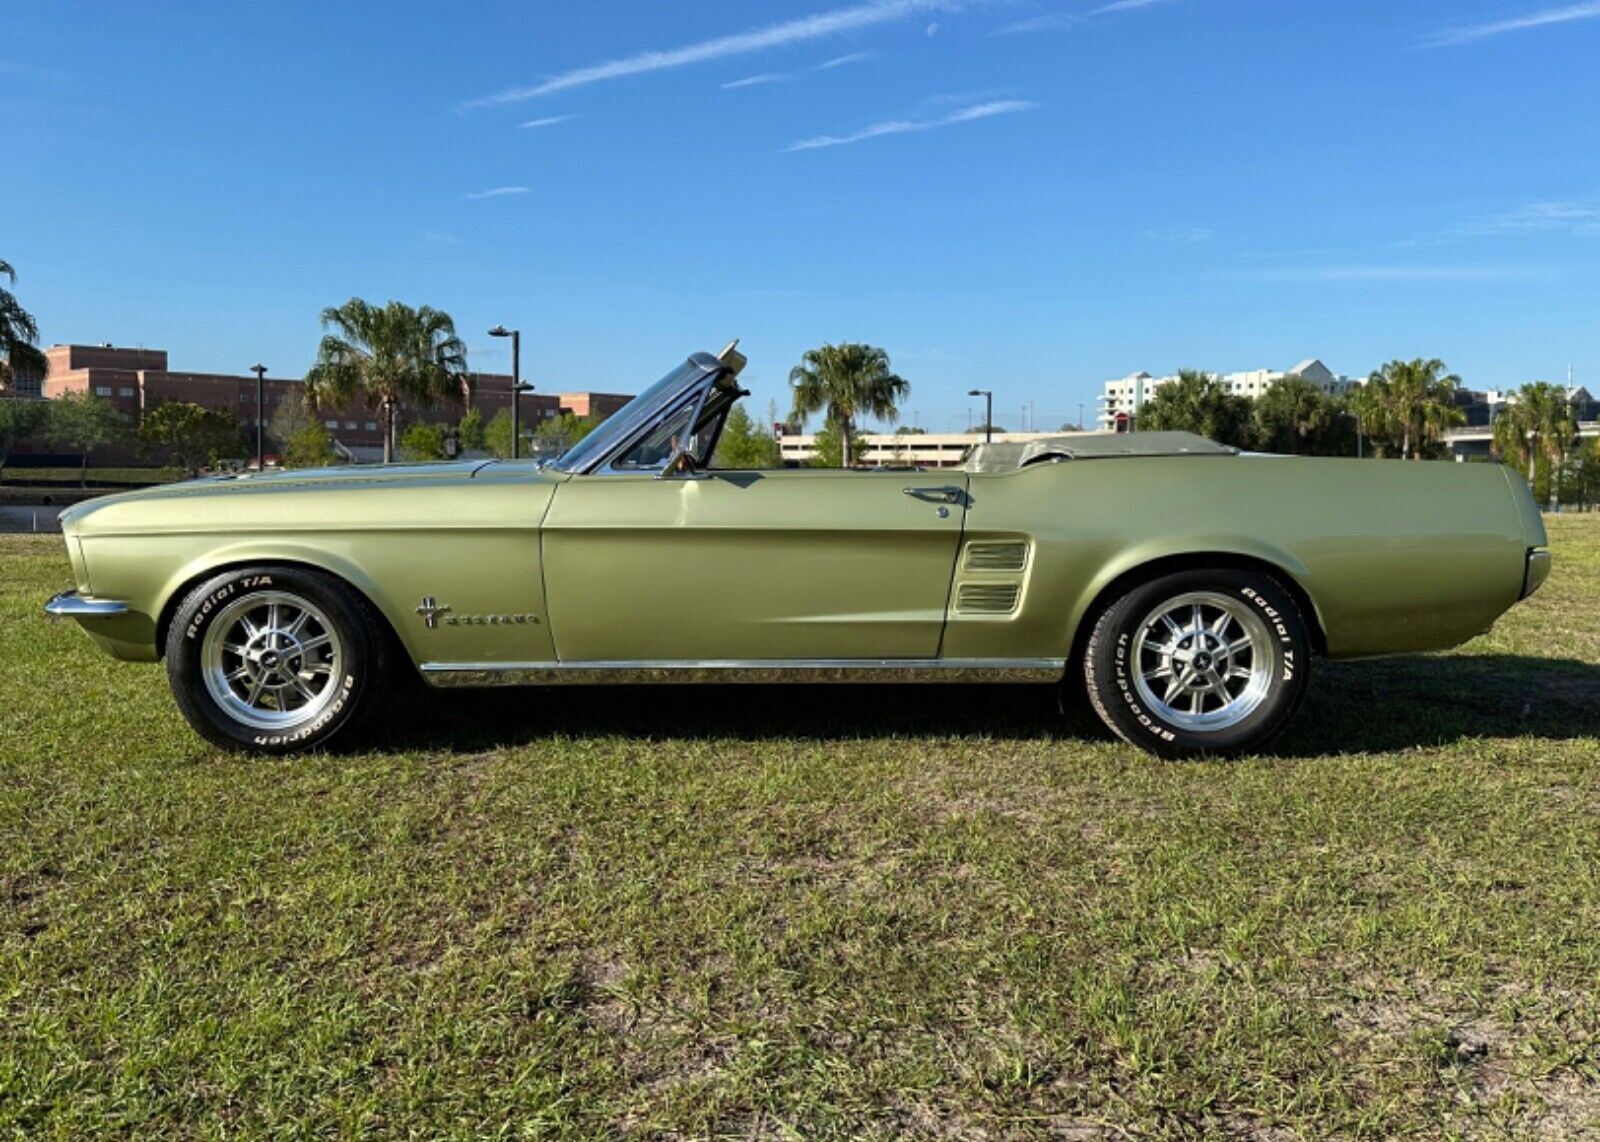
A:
{"points": [[274, 659], [1202, 662]]}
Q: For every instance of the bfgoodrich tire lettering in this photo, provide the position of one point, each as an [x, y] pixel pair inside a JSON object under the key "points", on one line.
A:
{"points": [[1199, 662], [274, 659]]}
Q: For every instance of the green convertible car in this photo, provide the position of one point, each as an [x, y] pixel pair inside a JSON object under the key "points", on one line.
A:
{"points": [[1186, 586]]}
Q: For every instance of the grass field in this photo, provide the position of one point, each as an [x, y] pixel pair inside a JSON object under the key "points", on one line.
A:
{"points": [[923, 912]]}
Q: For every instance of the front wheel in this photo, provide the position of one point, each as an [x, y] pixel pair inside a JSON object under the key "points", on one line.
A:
{"points": [[1205, 662], [274, 659]]}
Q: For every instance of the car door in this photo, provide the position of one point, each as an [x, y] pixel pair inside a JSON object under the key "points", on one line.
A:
{"points": [[798, 565]]}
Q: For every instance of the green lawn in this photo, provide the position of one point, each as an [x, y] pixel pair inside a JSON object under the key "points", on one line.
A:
{"points": [[927, 912]]}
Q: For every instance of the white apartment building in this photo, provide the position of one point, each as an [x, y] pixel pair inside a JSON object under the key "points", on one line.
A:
{"points": [[1125, 397], [925, 450]]}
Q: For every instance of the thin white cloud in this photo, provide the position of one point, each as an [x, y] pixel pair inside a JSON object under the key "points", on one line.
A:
{"points": [[1382, 273], [1574, 216], [1124, 6], [497, 192], [845, 60], [1470, 33], [968, 98], [761, 80], [547, 121], [1045, 22], [1537, 218], [800, 30], [907, 126]]}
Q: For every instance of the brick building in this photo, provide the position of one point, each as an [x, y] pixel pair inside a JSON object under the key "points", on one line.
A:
{"points": [[137, 380]]}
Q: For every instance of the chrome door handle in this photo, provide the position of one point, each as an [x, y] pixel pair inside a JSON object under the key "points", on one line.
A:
{"points": [[945, 495]]}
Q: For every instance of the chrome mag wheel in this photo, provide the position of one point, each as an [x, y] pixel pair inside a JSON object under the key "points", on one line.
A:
{"points": [[272, 660], [1203, 661]]}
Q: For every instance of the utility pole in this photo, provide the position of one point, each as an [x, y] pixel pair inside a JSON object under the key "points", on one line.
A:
{"points": [[261, 447], [988, 411]]}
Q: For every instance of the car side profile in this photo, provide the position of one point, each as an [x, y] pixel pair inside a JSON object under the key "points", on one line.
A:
{"points": [[1184, 585]]}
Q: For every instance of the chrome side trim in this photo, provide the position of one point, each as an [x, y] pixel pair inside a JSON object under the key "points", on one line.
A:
{"points": [[71, 605], [612, 673]]}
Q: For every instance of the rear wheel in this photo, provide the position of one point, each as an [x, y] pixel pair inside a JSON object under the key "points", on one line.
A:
{"points": [[1199, 662], [274, 659]]}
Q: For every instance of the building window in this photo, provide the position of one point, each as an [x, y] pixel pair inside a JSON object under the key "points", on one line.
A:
{"points": [[102, 390], [124, 392], [372, 426], [330, 424], [350, 424]]}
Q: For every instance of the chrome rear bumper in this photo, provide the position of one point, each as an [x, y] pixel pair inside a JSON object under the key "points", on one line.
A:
{"points": [[71, 605]]}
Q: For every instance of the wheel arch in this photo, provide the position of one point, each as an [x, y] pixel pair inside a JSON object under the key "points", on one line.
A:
{"points": [[193, 575], [1120, 579]]}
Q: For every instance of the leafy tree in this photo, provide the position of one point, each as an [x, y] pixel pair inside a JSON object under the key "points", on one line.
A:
{"points": [[1295, 417], [19, 419], [191, 435], [830, 446], [289, 420], [745, 445], [311, 446], [991, 429], [1412, 404], [423, 441], [846, 382], [1537, 422], [469, 431], [910, 430], [19, 336], [386, 355], [497, 434], [1196, 402], [84, 422], [565, 428]]}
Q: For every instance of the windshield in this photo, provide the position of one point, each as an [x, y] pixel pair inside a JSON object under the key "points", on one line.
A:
{"points": [[627, 420]]}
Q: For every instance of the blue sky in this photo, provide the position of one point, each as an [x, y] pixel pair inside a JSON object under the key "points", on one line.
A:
{"points": [[1028, 195]]}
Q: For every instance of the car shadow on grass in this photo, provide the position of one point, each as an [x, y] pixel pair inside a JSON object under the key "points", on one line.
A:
{"points": [[1352, 708]]}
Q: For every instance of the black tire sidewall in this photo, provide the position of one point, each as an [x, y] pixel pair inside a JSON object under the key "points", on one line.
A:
{"points": [[1108, 669], [363, 658]]}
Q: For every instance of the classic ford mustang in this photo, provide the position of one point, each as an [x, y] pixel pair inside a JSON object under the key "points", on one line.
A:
{"points": [[1186, 586]]}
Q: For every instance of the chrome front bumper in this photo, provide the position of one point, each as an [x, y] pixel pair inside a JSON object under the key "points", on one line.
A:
{"points": [[71, 605], [1537, 572]]}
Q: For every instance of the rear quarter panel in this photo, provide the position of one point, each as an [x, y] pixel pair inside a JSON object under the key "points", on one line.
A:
{"points": [[1395, 556]]}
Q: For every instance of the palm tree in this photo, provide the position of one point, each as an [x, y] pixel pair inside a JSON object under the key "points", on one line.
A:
{"points": [[1197, 402], [1536, 421], [387, 355], [19, 335], [1416, 398], [846, 381]]}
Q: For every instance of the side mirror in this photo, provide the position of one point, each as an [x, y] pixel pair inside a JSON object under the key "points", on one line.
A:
{"points": [[682, 464]]}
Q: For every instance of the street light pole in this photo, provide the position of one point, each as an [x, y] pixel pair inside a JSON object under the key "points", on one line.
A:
{"points": [[516, 385], [988, 411], [261, 447]]}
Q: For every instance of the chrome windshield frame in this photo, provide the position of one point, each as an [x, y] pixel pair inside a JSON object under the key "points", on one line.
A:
{"points": [[620, 431]]}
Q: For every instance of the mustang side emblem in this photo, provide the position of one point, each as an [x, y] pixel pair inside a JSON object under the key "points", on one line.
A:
{"points": [[431, 610], [433, 613]]}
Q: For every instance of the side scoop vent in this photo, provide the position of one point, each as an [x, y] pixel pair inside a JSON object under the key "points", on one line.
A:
{"points": [[996, 556], [987, 598]]}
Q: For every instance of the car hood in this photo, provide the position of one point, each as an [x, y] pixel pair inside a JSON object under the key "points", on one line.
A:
{"points": [[168, 501]]}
